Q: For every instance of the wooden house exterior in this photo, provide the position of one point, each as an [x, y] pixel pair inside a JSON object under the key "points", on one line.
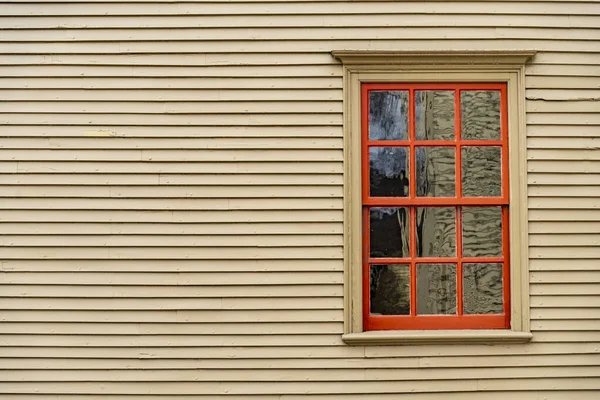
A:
{"points": [[172, 200]]}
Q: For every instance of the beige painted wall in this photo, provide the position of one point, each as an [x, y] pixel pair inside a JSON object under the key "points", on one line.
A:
{"points": [[171, 200]]}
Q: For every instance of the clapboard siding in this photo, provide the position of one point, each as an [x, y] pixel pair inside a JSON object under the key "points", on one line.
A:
{"points": [[316, 375], [171, 200], [269, 60], [558, 394], [316, 33], [324, 363], [161, 266], [293, 46], [298, 8]]}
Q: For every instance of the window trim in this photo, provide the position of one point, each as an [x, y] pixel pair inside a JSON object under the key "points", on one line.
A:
{"points": [[406, 67]]}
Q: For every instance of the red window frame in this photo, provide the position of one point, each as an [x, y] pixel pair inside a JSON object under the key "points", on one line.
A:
{"points": [[432, 322]]}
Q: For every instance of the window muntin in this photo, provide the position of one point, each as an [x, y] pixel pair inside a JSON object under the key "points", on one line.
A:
{"points": [[426, 149]]}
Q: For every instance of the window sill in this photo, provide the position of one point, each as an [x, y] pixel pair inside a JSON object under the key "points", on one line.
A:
{"points": [[377, 338]]}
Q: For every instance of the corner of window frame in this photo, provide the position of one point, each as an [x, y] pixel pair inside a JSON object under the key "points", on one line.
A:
{"points": [[361, 66]]}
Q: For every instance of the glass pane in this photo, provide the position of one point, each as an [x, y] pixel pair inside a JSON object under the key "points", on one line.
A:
{"points": [[482, 289], [481, 174], [480, 114], [435, 115], [482, 231], [388, 115], [436, 289], [436, 171], [390, 289], [389, 232], [436, 232], [388, 171]]}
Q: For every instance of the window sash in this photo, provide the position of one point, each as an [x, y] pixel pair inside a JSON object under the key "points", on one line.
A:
{"points": [[458, 320]]}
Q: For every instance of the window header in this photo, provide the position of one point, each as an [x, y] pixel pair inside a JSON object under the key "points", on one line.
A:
{"points": [[432, 59]]}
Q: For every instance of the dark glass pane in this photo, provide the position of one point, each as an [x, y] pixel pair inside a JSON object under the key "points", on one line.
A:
{"points": [[436, 232], [388, 115], [480, 114], [435, 115], [390, 289], [436, 168], [388, 171], [481, 171], [482, 231], [482, 289], [436, 289], [389, 232]]}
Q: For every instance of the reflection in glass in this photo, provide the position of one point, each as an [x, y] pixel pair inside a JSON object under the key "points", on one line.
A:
{"points": [[436, 232], [482, 289], [482, 231], [481, 173], [480, 114], [436, 171], [388, 115], [436, 289], [389, 288], [388, 173], [389, 232], [435, 115]]}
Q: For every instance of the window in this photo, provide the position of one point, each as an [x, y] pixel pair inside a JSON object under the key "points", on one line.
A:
{"points": [[435, 206]]}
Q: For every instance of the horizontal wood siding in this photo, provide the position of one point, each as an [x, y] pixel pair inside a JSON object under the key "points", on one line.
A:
{"points": [[171, 200]]}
